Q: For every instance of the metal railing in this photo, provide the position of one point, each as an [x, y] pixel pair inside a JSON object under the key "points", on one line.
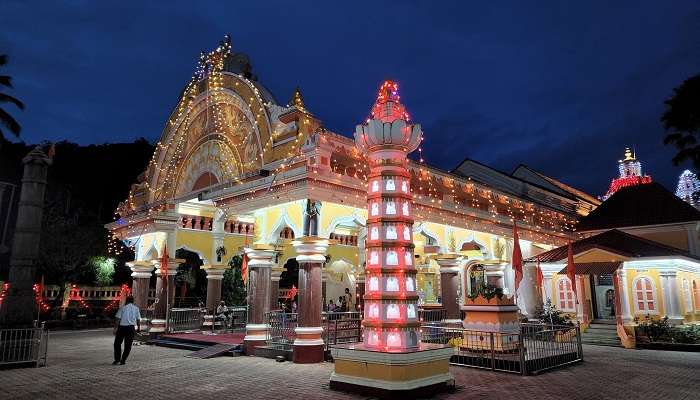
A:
{"points": [[185, 319], [341, 327], [533, 349], [24, 346], [431, 317], [188, 302], [280, 334], [237, 318]]}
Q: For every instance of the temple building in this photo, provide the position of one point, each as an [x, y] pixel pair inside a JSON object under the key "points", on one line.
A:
{"points": [[630, 174], [688, 188], [237, 172]]}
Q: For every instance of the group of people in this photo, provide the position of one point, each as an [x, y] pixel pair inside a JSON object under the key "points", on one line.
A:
{"points": [[345, 303]]}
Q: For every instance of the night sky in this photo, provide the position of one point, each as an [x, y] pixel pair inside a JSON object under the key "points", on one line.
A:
{"points": [[562, 88]]}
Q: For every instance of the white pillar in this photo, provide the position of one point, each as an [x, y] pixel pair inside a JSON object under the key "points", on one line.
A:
{"points": [[527, 298], [624, 297], [669, 289]]}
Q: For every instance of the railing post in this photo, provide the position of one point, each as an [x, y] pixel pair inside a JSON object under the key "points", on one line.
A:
{"points": [[493, 353], [521, 353], [578, 342]]}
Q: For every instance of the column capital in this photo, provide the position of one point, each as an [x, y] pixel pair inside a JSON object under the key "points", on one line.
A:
{"points": [[215, 271], [310, 249], [449, 263], [173, 263], [261, 256], [140, 269]]}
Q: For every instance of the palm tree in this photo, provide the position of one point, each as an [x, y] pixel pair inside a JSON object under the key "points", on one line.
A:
{"points": [[6, 120], [682, 121]]}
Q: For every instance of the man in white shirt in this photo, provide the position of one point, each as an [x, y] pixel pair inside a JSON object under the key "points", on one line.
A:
{"points": [[128, 317]]}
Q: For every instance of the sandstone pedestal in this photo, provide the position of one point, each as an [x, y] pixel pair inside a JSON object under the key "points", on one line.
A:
{"points": [[308, 345], [483, 317], [261, 259], [449, 286]]}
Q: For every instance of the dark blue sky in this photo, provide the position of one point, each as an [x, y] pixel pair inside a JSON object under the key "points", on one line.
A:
{"points": [[562, 87]]}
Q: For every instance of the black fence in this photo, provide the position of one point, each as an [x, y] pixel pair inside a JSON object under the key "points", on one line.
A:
{"points": [[533, 349]]}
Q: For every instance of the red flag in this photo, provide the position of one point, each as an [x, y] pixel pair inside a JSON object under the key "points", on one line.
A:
{"points": [[293, 292], [244, 269], [517, 259], [540, 277], [570, 269], [164, 266]]}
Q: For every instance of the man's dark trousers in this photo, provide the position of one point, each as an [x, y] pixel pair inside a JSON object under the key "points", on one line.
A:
{"points": [[126, 334]]}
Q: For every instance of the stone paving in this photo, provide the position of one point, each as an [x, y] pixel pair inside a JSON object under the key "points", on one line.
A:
{"points": [[80, 368]]}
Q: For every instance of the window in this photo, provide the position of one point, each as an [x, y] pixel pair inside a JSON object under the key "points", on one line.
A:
{"points": [[687, 296], [644, 295], [566, 294]]}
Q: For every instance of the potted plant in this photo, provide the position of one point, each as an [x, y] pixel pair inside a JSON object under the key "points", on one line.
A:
{"points": [[220, 253]]}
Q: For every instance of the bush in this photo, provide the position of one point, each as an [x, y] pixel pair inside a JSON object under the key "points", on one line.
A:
{"points": [[656, 329], [686, 334], [549, 314]]}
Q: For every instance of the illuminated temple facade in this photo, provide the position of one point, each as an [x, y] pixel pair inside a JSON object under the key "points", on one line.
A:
{"points": [[235, 168]]}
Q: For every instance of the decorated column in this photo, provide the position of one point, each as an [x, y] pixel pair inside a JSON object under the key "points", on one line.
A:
{"points": [[275, 276], [20, 307], [215, 274], [165, 292], [670, 291], [261, 259], [141, 280], [449, 285], [391, 357], [308, 344]]}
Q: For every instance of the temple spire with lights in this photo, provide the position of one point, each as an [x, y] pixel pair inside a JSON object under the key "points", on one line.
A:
{"points": [[630, 169]]}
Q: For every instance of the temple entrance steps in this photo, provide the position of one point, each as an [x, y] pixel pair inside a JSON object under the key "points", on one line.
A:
{"points": [[601, 333], [197, 345], [213, 351]]}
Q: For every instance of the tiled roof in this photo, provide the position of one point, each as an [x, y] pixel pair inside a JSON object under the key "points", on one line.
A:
{"points": [[648, 204], [614, 241]]}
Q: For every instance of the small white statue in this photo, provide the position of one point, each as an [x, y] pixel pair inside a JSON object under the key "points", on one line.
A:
{"points": [[392, 311], [392, 258], [404, 187], [374, 258], [374, 233], [373, 283], [374, 310], [390, 208], [392, 284], [410, 287], [375, 209], [406, 233], [411, 311], [408, 258], [390, 185], [375, 186], [393, 340], [404, 208], [391, 232]]}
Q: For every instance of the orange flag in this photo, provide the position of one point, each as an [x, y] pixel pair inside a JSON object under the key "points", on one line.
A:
{"points": [[540, 277], [517, 258], [244, 269], [571, 269], [164, 266]]}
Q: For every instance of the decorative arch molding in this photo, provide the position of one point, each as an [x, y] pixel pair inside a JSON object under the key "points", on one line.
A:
{"points": [[197, 252], [152, 253], [184, 134], [645, 300], [420, 228], [353, 219], [212, 155], [472, 239], [282, 222]]}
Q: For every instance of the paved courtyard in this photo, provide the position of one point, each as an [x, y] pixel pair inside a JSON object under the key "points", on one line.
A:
{"points": [[80, 368]]}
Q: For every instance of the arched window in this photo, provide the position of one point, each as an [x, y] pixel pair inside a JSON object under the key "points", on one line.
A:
{"points": [[696, 293], [287, 233], [566, 294], [687, 296], [644, 295]]}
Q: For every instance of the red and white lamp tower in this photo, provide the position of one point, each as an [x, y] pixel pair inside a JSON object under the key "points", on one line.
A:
{"points": [[391, 342]]}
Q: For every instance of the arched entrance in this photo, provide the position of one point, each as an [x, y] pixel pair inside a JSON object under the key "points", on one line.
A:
{"points": [[190, 281], [288, 279]]}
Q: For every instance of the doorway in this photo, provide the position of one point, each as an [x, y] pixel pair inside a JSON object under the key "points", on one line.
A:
{"points": [[603, 296]]}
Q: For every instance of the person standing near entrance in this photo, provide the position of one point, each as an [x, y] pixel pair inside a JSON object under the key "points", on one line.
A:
{"points": [[128, 323], [349, 300]]}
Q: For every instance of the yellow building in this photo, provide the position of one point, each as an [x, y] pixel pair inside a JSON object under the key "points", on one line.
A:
{"points": [[234, 167]]}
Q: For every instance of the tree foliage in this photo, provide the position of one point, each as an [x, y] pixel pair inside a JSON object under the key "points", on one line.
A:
{"points": [[7, 122], [234, 290], [682, 121]]}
